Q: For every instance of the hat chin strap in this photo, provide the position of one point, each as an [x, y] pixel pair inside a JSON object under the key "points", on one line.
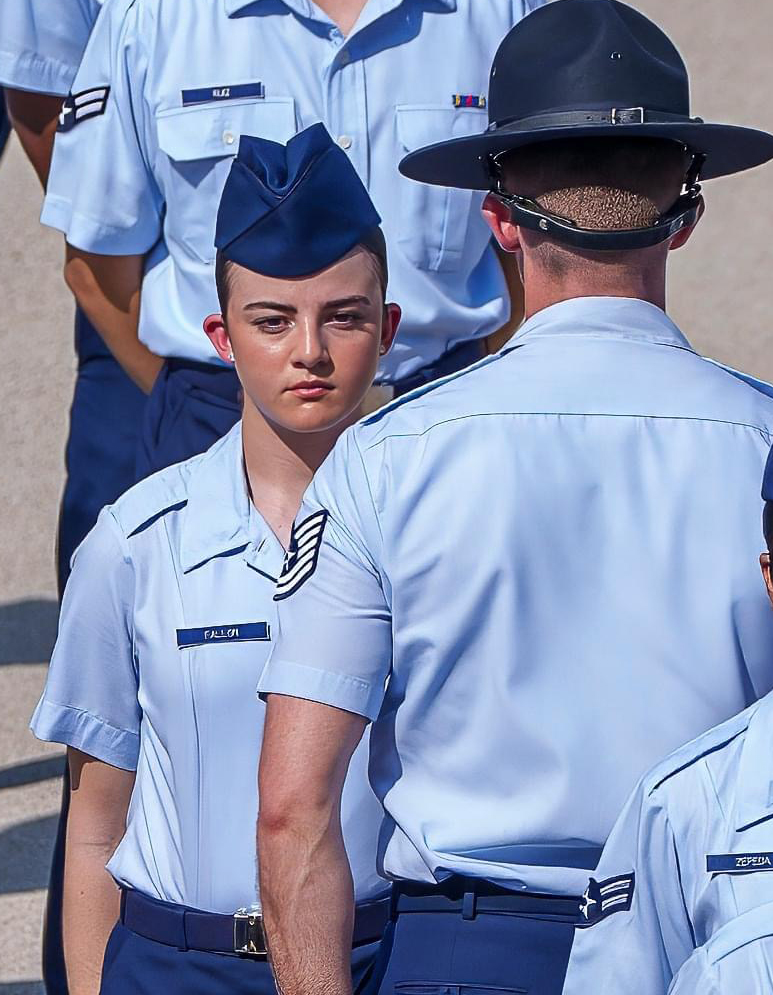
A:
{"points": [[684, 213]]}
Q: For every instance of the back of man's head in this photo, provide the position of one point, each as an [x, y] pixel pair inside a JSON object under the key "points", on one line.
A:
{"points": [[598, 183]]}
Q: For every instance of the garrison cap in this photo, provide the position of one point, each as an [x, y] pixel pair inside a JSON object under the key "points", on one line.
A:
{"points": [[291, 210], [767, 480]]}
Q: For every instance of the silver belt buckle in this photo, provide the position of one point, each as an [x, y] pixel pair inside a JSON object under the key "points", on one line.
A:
{"points": [[249, 938]]}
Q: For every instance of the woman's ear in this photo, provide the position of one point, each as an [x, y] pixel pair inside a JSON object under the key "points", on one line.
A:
{"points": [[392, 315], [217, 333]]}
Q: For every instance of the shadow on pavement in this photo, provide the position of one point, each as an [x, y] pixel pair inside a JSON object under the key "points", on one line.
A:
{"points": [[21, 988], [25, 855], [28, 631], [31, 771]]}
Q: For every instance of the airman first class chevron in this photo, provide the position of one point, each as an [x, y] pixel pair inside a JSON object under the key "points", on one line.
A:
{"points": [[79, 107], [604, 898]]}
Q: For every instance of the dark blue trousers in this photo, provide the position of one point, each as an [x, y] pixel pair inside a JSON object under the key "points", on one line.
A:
{"points": [[105, 423], [105, 420], [191, 406], [135, 965], [491, 953]]}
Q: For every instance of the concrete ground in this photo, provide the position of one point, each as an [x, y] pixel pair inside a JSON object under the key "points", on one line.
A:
{"points": [[721, 296]]}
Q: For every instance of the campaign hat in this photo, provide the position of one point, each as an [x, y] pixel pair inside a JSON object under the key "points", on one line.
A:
{"points": [[583, 69]]}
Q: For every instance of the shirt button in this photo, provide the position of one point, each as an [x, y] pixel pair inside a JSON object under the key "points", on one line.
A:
{"points": [[345, 141], [228, 137]]}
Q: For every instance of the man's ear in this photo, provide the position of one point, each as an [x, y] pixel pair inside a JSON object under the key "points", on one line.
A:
{"points": [[767, 575], [392, 315], [499, 221], [217, 333], [682, 237]]}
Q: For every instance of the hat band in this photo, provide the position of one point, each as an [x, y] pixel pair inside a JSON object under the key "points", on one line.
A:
{"points": [[579, 119]]}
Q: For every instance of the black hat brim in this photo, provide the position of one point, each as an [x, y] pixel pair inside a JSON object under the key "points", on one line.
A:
{"points": [[463, 162]]}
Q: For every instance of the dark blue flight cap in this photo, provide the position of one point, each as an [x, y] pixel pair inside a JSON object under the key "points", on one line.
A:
{"points": [[291, 210], [767, 480]]}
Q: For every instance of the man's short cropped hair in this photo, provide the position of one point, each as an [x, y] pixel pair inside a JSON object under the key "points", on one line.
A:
{"points": [[600, 183]]}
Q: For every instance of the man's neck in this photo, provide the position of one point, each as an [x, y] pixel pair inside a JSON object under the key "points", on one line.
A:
{"points": [[541, 291], [344, 13], [280, 464]]}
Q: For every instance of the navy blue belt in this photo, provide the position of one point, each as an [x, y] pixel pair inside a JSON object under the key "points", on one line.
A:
{"points": [[469, 897], [240, 933]]}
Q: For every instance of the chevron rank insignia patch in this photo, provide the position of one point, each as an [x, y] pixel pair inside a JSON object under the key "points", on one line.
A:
{"points": [[603, 898], [79, 107], [301, 559]]}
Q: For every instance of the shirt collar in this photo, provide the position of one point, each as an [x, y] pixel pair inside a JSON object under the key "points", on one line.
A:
{"points": [[220, 516], [603, 317], [754, 789]]}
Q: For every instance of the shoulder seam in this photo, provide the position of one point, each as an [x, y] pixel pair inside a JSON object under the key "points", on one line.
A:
{"points": [[177, 506], [693, 760], [766, 433]]}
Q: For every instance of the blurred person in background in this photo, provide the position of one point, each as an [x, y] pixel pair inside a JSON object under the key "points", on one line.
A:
{"points": [[163, 93], [41, 43]]}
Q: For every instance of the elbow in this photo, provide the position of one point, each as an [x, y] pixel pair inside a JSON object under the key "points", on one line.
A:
{"points": [[78, 278], [280, 814]]}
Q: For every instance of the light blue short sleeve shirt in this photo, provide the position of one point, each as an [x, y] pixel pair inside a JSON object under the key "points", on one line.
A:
{"points": [[187, 79], [696, 840], [166, 624], [42, 41], [737, 960], [516, 573]]}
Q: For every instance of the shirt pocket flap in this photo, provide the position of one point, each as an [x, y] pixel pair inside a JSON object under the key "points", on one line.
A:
{"points": [[425, 124], [435, 221], [187, 134]]}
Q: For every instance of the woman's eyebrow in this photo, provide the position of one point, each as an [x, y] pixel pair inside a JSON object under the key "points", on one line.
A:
{"points": [[270, 306], [344, 301]]}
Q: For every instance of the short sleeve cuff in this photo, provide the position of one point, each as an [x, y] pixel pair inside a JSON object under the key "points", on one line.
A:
{"points": [[55, 723], [27, 71], [91, 235], [352, 694]]}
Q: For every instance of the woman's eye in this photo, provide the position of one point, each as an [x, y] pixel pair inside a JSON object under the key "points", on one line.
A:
{"points": [[272, 324]]}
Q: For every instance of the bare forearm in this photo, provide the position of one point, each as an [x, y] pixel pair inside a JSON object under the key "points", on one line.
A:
{"points": [[34, 117], [308, 907], [108, 290], [99, 800], [91, 906]]}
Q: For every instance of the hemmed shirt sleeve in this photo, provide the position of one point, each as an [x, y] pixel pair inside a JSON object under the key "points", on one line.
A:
{"points": [[101, 192], [334, 638], [42, 41], [90, 701], [635, 946]]}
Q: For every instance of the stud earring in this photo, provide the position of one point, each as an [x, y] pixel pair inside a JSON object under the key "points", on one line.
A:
{"points": [[231, 357]]}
